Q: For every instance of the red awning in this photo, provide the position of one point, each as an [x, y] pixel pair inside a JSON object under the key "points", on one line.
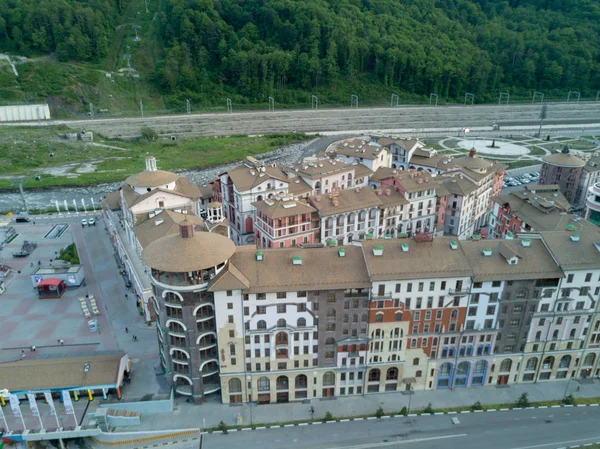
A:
{"points": [[49, 281]]}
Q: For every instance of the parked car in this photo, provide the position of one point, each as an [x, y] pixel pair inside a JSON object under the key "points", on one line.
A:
{"points": [[84, 223], [526, 181], [22, 220], [92, 221]]}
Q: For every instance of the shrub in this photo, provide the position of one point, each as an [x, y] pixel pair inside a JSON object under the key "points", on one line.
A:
{"points": [[379, 412], [569, 400], [404, 411], [69, 254], [328, 417], [428, 409], [523, 401], [477, 406], [148, 133], [222, 426]]}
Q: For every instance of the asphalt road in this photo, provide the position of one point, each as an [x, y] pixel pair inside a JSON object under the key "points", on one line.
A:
{"points": [[401, 119], [525, 429]]}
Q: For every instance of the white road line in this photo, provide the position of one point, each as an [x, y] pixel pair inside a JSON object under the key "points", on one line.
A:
{"points": [[555, 443], [504, 409], [303, 424], [554, 406], [344, 420], [543, 406], [289, 425], [398, 442], [491, 410]]}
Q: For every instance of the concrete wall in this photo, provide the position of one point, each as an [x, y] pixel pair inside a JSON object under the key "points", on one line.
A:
{"points": [[120, 438], [144, 407]]}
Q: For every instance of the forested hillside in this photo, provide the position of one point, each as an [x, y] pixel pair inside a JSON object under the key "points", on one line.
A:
{"points": [[205, 50]]}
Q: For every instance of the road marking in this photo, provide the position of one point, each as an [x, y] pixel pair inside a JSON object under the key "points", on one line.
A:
{"points": [[555, 443], [397, 442], [455, 421], [543, 406], [303, 424], [554, 406], [344, 420], [504, 409], [289, 425]]}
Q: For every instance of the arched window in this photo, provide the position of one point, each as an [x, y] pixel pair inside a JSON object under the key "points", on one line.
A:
{"points": [[259, 198], [329, 379], [355, 318], [548, 363], [538, 336], [555, 335], [282, 383], [589, 359], [572, 334], [379, 317], [418, 373], [461, 379], [487, 350], [480, 350], [363, 319], [454, 313], [415, 361], [444, 352], [301, 382], [235, 385], [263, 384], [281, 338], [531, 364], [435, 342], [331, 313], [392, 374], [346, 319], [444, 375], [462, 351], [398, 316], [176, 328], [301, 322], [281, 323], [318, 185], [505, 366], [479, 371], [374, 375], [330, 341], [262, 324], [469, 350], [565, 361]]}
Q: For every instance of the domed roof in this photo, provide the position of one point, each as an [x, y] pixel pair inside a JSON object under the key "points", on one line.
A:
{"points": [[563, 159], [188, 251], [156, 178]]}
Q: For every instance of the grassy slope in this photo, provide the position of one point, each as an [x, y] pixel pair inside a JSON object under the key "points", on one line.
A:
{"points": [[25, 151]]}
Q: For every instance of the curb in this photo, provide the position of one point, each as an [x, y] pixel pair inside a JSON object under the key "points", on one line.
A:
{"points": [[371, 418]]}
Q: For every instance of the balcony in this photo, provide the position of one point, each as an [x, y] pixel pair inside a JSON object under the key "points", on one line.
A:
{"points": [[210, 369], [183, 279], [207, 342], [385, 295], [458, 292], [185, 390]]}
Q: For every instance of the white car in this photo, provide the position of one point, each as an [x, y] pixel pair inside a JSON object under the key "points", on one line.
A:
{"points": [[92, 221], [84, 223]]}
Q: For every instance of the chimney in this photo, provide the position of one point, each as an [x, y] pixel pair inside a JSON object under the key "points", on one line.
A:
{"points": [[388, 192], [472, 152], [186, 230], [150, 163]]}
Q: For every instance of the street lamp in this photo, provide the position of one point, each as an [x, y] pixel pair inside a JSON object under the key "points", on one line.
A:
{"points": [[249, 380], [410, 393]]}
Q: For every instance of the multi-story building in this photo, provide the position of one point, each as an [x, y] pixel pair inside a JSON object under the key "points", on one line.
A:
{"points": [[379, 315], [283, 222], [182, 266], [346, 215], [533, 208], [363, 151], [592, 211], [402, 148], [590, 176], [564, 170]]}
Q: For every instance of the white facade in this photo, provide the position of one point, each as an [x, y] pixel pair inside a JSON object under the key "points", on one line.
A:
{"points": [[350, 226]]}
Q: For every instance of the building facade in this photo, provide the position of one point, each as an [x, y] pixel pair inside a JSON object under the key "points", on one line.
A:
{"points": [[564, 170]]}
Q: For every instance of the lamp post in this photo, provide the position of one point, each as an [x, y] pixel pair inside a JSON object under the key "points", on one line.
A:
{"points": [[249, 380], [410, 393]]}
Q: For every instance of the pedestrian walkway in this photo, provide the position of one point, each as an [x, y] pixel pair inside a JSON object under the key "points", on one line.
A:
{"points": [[209, 415]]}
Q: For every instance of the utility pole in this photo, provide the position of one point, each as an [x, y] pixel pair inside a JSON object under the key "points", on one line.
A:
{"points": [[230, 106], [19, 182], [142, 108], [188, 106], [92, 110]]}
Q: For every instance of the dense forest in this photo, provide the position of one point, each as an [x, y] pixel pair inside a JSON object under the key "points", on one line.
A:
{"points": [[256, 48]]}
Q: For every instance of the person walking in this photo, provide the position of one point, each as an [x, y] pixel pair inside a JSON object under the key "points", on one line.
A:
{"points": [[126, 330]]}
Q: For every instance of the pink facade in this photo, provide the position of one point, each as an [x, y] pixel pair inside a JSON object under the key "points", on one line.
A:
{"points": [[284, 232]]}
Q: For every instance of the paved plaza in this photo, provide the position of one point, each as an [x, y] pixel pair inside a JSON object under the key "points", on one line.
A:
{"points": [[27, 321]]}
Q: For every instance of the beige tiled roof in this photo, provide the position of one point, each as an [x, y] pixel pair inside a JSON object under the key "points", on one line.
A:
{"points": [[384, 173], [348, 200], [298, 186], [113, 200], [175, 254], [457, 184], [422, 260], [130, 195], [60, 372], [229, 279], [358, 148], [394, 198], [407, 144], [281, 208], [415, 181], [361, 171], [152, 178], [321, 167], [535, 262], [321, 269], [581, 255], [206, 192], [433, 161], [185, 187], [563, 160], [148, 230], [246, 178], [471, 162], [593, 164]]}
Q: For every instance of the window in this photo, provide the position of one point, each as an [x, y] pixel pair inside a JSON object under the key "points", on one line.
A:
{"points": [[281, 295], [280, 307], [261, 310], [331, 297], [569, 278], [229, 304], [261, 296], [301, 294], [301, 322], [379, 318], [281, 323]]}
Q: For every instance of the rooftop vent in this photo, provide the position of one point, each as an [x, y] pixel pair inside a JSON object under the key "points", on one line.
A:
{"points": [[574, 237], [486, 252], [269, 202], [289, 204], [378, 250], [525, 243], [158, 221], [404, 247], [369, 236], [341, 252], [403, 235], [186, 230], [297, 260], [387, 236], [453, 245], [260, 255], [509, 236], [476, 237]]}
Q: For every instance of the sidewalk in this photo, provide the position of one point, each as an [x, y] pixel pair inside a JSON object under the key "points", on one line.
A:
{"points": [[210, 414]]}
